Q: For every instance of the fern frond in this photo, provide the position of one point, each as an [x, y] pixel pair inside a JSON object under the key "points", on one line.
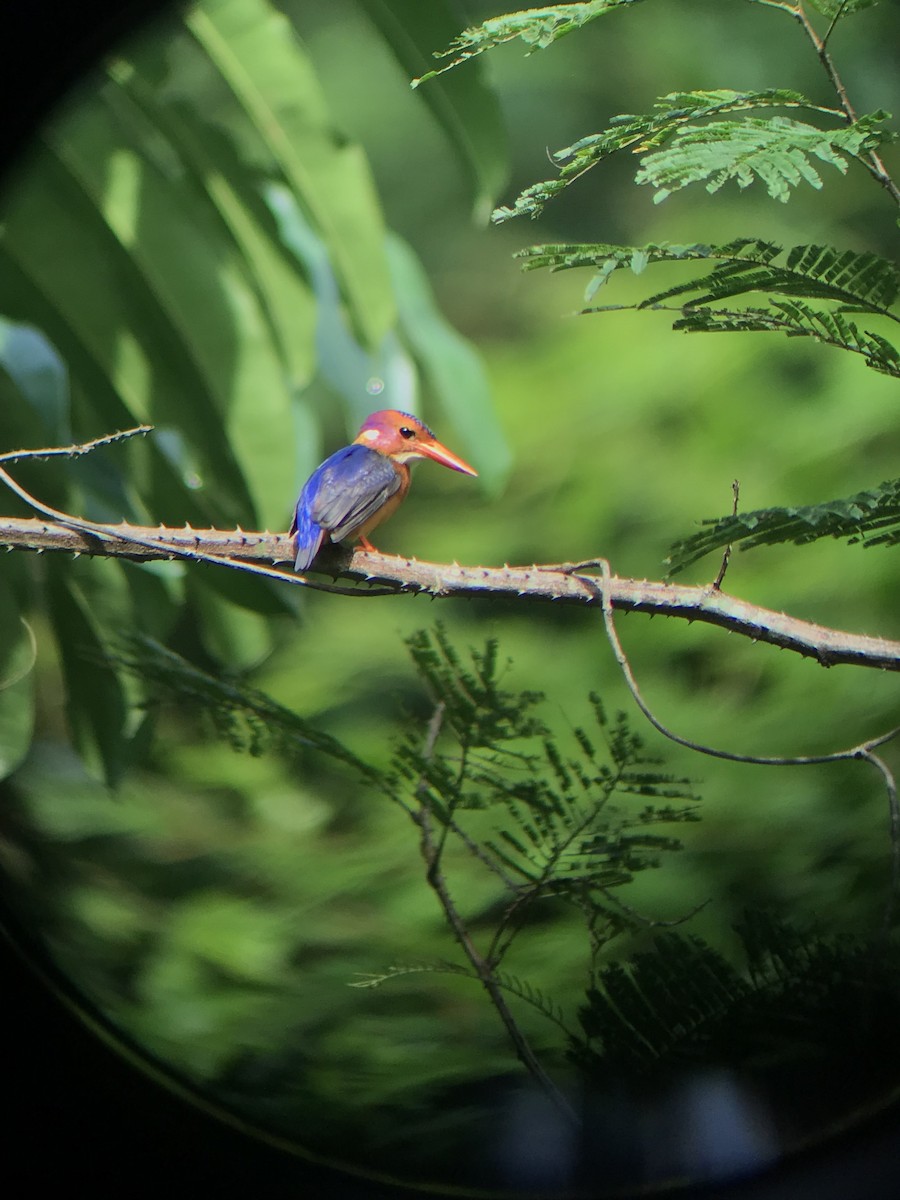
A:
{"points": [[854, 282], [871, 517], [538, 28], [564, 834], [665, 997], [682, 1002], [671, 114]]}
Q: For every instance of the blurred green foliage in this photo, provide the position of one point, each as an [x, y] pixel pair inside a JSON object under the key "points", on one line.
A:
{"points": [[194, 243]]}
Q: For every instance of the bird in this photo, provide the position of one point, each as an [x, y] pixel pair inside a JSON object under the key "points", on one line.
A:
{"points": [[363, 484]]}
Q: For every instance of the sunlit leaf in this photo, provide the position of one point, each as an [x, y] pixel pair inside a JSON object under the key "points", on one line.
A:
{"points": [[18, 650], [836, 9], [777, 150], [463, 103], [95, 700], [849, 282], [451, 365], [268, 71]]}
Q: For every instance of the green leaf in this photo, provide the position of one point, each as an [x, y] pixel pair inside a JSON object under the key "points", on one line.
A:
{"points": [[40, 376], [265, 597], [18, 650], [271, 77], [34, 412], [95, 700], [246, 718], [857, 282], [353, 371], [230, 396], [871, 517], [231, 190], [466, 107], [231, 634], [125, 229], [537, 27], [451, 365], [156, 594]]}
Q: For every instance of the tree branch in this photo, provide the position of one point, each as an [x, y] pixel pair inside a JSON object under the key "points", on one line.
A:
{"points": [[872, 161], [560, 583]]}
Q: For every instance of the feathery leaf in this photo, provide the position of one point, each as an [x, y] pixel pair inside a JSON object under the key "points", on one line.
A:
{"points": [[671, 117], [776, 150], [847, 281], [871, 517], [537, 27]]}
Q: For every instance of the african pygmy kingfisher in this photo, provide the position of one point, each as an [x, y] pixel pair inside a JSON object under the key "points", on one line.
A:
{"points": [[361, 485]]}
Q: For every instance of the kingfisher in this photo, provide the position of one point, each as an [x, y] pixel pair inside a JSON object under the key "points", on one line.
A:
{"points": [[362, 485]]}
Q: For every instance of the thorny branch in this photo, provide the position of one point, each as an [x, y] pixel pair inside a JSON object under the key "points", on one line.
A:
{"points": [[390, 575], [376, 574]]}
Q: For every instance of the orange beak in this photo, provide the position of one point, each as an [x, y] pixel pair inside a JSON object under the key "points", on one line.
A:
{"points": [[440, 454]]}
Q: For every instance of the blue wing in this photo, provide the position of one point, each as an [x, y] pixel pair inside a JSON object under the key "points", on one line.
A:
{"points": [[340, 497]]}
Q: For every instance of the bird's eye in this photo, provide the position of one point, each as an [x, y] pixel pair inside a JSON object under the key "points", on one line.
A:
{"points": [[406, 432]]}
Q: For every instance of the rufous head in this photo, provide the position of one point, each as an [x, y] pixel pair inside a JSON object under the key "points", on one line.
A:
{"points": [[403, 437]]}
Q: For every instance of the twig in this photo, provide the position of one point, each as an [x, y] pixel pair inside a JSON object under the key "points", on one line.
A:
{"points": [[92, 537], [717, 582], [894, 819], [873, 161], [839, 12], [862, 750], [77, 448], [482, 967]]}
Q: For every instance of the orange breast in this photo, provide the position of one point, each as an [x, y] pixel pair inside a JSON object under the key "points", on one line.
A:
{"points": [[388, 509]]}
